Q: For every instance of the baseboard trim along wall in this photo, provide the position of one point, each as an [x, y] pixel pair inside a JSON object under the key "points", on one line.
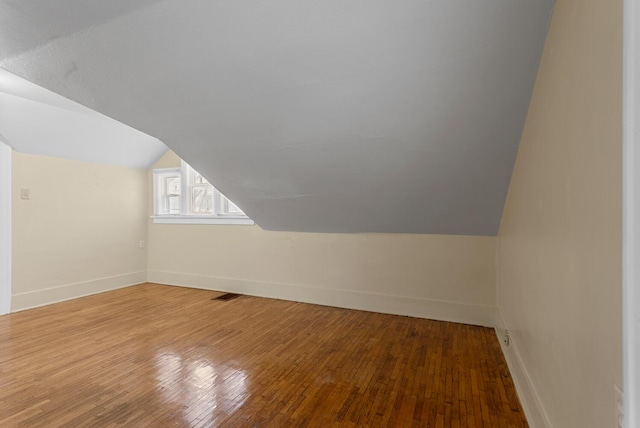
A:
{"points": [[529, 398], [34, 299], [398, 305]]}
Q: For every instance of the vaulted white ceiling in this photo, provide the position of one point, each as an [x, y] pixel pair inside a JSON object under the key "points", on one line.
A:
{"points": [[327, 116]]}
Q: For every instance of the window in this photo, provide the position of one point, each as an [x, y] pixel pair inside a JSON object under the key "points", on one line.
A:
{"points": [[166, 187], [183, 196]]}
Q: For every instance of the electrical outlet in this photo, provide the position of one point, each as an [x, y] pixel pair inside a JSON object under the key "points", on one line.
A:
{"points": [[507, 338], [619, 407], [24, 194], [141, 244]]}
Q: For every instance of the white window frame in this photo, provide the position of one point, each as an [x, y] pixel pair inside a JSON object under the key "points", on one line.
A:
{"points": [[631, 216], [159, 201], [187, 175]]}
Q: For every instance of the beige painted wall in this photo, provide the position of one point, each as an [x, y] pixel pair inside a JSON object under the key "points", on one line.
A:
{"points": [[559, 245], [438, 276], [79, 232]]}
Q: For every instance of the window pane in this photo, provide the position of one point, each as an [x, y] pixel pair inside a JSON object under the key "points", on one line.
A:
{"points": [[166, 187], [198, 179], [173, 205], [172, 186], [232, 208], [202, 199]]}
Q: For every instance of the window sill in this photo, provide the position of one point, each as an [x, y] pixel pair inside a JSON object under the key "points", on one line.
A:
{"points": [[195, 219]]}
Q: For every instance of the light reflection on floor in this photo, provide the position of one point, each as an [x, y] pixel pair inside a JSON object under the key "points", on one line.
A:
{"points": [[219, 390]]}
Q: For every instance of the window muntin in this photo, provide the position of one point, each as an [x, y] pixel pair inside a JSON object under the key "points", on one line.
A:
{"points": [[167, 191], [183, 193]]}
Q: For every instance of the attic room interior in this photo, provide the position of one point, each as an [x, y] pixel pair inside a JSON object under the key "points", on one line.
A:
{"points": [[336, 213]]}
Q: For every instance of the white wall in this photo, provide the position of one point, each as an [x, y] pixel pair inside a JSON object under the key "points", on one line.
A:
{"points": [[5, 228], [79, 231], [434, 276], [559, 245]]}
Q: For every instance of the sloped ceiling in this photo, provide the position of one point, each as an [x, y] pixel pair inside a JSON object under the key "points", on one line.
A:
{"points": [[318, 116], [37, 121]]}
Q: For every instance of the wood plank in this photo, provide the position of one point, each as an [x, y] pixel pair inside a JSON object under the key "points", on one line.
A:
{"points": [[153, 355]]}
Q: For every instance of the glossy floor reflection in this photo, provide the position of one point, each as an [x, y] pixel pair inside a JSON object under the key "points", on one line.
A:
{"points": [[161, 356]]}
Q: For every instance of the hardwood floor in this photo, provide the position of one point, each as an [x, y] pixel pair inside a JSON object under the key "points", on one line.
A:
{"points": [[160, 356]]}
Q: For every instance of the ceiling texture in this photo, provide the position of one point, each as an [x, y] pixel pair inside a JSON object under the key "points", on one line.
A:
{"points": [[315, 116]]}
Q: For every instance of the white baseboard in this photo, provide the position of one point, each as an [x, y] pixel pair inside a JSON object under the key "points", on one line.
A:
{"points": [[529, 398], [384, 303], [34, 299]]}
